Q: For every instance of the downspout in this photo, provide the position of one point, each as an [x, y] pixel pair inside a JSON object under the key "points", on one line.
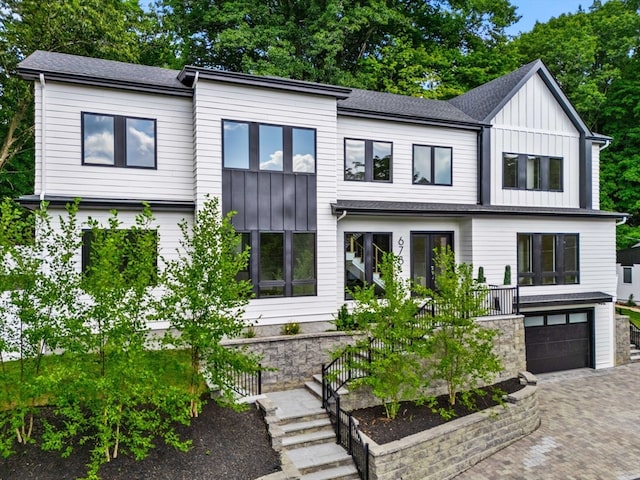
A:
{"points": [[344, 214], [622, 222], [43, 139]]}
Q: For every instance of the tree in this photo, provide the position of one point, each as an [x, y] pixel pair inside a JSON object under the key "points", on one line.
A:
{"points": [[389, 45], [463, 355], [204, 302], [394, 368]]}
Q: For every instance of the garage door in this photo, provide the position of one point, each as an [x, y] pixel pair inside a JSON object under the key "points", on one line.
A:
{"points": [[558, 340]]}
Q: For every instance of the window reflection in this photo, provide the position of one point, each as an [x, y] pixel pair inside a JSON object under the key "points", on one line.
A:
{"points": [[304, 148], [271, 148], [141, 142], [236, 144], [98, 139]]}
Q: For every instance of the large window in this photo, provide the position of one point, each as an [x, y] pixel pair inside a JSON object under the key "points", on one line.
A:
{"points": [[118, 141], [363, 255], [128, 245], [276, 148], [531, 172], [285, 265], [432, 165], [367, 160], [548, 259]]}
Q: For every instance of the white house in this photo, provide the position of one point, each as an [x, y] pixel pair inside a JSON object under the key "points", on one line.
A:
{"points": [[325, 178], [628, 269]]}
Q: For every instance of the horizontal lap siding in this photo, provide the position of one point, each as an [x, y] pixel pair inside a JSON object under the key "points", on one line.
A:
{"points": [[173, 178], [533, 122], [217, 101], [404, 136]]}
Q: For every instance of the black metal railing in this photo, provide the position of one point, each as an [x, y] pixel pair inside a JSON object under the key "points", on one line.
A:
{"points": [[347, 433], [634, 334], [245, 384]]}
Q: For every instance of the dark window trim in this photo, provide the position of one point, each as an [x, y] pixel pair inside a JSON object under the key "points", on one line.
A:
{"points": [[627, 274], [288, 258], [368, 262], [368, 160], [559, 273], [521, 172], [287, 147], [433, 164], [120, 141], [566, 312]]}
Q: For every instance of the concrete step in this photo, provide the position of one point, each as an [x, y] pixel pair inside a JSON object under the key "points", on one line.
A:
{"points": [[635, 357], [303, 417], [317, 458], [309, 439], [299, 428], [342, 473], [315, 388], [317, 378]]}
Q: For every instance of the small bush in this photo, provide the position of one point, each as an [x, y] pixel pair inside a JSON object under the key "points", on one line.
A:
{"points": [[630, 302], [345, 321], [291, 328], [250, 332]]}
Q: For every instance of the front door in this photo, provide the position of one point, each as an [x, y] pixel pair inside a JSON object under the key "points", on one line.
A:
{"points": [[423, 245]]}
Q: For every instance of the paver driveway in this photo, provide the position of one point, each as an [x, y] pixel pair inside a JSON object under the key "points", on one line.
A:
{"points": [[590, 431]]}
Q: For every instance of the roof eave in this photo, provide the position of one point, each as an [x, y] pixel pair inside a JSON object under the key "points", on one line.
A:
{"points": [[362, 113]]}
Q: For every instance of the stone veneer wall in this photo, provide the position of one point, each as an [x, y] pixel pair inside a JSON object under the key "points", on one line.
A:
{"points": [[296, 358], [445, 451], [623, 341]]}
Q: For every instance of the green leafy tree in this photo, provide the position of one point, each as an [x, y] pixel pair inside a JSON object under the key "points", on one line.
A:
{"points": [[463, 350], [204, 302], [395, 338]]}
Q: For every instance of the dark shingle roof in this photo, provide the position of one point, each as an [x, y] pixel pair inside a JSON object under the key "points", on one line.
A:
{"points": [[375, 207], [402, 106], [77, 69], [481, 102]]}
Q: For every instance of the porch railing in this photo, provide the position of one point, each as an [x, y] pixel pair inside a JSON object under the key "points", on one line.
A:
{"points": [[634, 334], [245, 384]]}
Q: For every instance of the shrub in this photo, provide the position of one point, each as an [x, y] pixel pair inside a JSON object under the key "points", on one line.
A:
{"points": [[291, 328]]}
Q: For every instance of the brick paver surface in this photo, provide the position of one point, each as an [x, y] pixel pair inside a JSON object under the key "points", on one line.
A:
{"points": [[590, 430]]}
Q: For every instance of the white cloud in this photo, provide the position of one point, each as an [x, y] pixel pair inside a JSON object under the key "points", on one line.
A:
{"points": [[304, 163], [98, 148], [274, 162]]}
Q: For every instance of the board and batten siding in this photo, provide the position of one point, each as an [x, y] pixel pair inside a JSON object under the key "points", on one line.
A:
{"points": [[65, 174], [532, 122], [215, 101], [403, 136]]}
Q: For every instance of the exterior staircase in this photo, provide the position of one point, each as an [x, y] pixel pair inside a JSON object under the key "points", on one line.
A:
{"points": [[634, 353], [301, 430]]}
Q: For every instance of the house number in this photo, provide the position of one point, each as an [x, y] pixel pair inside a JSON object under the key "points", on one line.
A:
{"points": [[400, 249]]}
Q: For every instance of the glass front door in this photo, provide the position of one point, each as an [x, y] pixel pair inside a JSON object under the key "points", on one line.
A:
{"points": [[423, 246]]}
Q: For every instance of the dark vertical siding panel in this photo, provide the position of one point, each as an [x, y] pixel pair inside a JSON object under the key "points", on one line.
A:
{"points": [[264, 202], [277, 202], [289, 192], [226, 191], [237, 198], [301, 203], [251, 201], [312, 203]]}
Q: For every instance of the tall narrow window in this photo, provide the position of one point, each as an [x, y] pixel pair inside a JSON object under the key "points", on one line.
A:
{"points": [[381, 161], [98, 139], [304, 150], [363, 255], [555, 174], [304, 264], [141, 142], [271, 148], [627, 274], [510, 171], [548, 259], [271, 264], [236, 144], [354, 160], [525, 260], [432, 165], [533, 173], [245, 241]]}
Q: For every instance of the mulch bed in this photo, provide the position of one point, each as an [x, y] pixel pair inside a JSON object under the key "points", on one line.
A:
{"points": [[414, 418], [226, 445]]}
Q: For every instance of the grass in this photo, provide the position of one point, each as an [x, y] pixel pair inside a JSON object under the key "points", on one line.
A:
{"points": [[634, 316]]}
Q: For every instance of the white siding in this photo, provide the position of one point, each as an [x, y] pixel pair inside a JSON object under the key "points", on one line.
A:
{"points": [[495, 245], [626, 289], [217, 101], [533, 123], [65, 174], [604, 332], [403, 136]]}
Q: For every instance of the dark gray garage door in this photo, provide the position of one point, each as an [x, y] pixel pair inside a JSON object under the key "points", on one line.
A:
{"points": [[558, 340]]}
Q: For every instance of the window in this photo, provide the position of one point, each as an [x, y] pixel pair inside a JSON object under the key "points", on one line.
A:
{"points": [[627, 274], [129, 243], [262, 147], [367, 160], [548, 259], [118, 141], [432, 165], [531, 172], [286, 264], [363, 255]]}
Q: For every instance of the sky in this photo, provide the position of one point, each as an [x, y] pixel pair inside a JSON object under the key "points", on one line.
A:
{"points": [[543, 10]]}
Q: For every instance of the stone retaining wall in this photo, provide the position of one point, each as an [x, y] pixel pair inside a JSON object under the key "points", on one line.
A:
{"points": [[445, 451], [623, 352], [296, 358]]}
